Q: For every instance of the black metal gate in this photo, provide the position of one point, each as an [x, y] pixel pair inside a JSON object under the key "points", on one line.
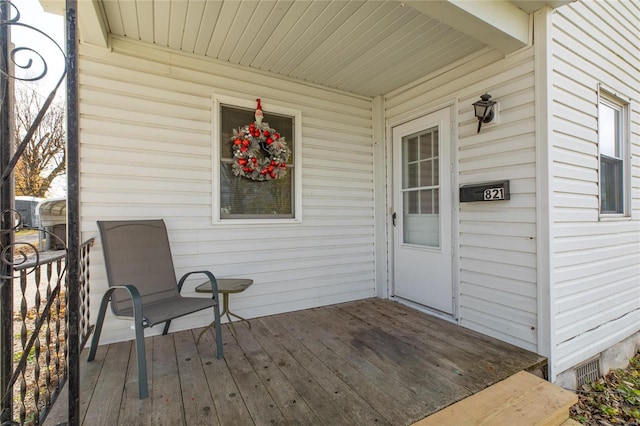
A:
{"points": [[48, 332]]}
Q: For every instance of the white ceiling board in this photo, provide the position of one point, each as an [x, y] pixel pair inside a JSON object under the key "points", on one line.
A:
{"points": [[195, 12], [178, 23], [129, 18], [368, 47], [144, 12]]}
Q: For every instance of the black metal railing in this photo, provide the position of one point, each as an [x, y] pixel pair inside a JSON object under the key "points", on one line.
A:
{"points": [[41, 333]]}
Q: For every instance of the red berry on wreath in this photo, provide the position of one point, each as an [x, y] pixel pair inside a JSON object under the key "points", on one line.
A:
{"points": [[266, 133], [244, 149], [283, 165], [269, 141], [264, 171], [273, 175], [254, 159], [246, 169], [242, 161], [237, 142], [276, 135], [245, 142]]}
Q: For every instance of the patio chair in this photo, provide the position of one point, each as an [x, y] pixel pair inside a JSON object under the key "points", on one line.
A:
{"points": [[142, 285]]}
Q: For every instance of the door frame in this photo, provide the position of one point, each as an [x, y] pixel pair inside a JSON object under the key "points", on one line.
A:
{"points": [[455, 205]]}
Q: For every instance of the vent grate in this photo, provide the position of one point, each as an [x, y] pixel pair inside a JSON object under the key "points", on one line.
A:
{"points": [[587, 372]]}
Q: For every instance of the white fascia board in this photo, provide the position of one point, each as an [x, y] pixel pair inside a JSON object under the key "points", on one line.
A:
{"points": [[91, 20], [497, 23]]}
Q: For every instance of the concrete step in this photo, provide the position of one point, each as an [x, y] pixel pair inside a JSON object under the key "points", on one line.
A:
{"points": [[523, 399]]}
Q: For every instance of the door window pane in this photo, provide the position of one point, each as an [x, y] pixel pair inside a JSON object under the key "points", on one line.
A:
{"points": [[411, 180], [426, 145], [421, 219], [412, 149], [426, 173]]}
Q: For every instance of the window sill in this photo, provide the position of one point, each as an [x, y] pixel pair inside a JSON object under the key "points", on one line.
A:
{"points": [[614, 218], [236, 222]]}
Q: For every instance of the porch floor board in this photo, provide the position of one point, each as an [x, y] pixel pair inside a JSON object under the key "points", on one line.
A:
{"points": [[359, 363]]}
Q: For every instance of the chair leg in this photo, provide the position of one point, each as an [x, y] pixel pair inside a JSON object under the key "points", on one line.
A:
{"points": [[141, 353], [166, 328], [216, 316], [141, 356], [99, 322], [143, 387]]}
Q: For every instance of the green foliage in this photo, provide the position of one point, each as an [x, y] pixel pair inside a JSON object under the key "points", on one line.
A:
{"points": [[32, 355], [613, 399]]}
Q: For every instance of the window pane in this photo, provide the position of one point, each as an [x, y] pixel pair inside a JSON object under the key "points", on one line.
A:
{"points": [[426, 173], [611, 185], [424, 228], [609, 129], [241, 197], [426, 142], [420, 220], [411, 202], [611, 145], [411, 180], [426, 201], [411, 146]]}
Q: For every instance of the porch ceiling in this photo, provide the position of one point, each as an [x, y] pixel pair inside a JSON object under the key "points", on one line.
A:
{"points": [[365, 47]]}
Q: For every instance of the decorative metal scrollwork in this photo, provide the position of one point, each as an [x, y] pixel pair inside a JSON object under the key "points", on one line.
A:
{"points": [[20, 249], [27, 58]]}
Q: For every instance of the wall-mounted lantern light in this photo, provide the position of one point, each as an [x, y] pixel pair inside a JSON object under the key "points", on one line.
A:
{"points": [[484, 110]]}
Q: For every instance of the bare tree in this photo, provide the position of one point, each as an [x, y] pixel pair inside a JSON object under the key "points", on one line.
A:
{"points": [[44, 157]]}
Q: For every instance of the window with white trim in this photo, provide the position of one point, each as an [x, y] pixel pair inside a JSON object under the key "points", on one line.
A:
{"points": [[612, 146], [241, 199]]}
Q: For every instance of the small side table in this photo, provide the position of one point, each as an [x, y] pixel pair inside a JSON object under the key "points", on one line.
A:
{"points": [[226, 286]]}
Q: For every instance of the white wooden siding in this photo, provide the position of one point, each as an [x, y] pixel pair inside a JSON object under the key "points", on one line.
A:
{"points": [[146, 152], [596, 274], [495, 244]]}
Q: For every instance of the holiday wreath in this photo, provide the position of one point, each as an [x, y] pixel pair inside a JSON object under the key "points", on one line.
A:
{"points": [[259, 152]]}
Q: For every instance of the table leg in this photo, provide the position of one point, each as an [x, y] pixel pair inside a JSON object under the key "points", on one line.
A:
{"points": [[229, 314], [225, 310], [239, 317]]}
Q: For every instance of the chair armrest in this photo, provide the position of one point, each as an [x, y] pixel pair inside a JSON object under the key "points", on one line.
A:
{"points": [[135, 298], [106, 298], [212, 279]]}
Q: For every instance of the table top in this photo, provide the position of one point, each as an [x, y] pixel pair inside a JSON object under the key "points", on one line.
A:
{"points": [[226, 285]]}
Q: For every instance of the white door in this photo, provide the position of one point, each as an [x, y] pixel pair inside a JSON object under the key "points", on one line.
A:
{"points": [[422, 204]]}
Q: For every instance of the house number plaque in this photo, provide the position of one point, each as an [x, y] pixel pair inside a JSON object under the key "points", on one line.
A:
{"points": [[490, 191], [491, 194]]}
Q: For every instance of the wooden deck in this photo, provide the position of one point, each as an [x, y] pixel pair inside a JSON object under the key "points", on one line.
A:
{"points": [[358, 363]]}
